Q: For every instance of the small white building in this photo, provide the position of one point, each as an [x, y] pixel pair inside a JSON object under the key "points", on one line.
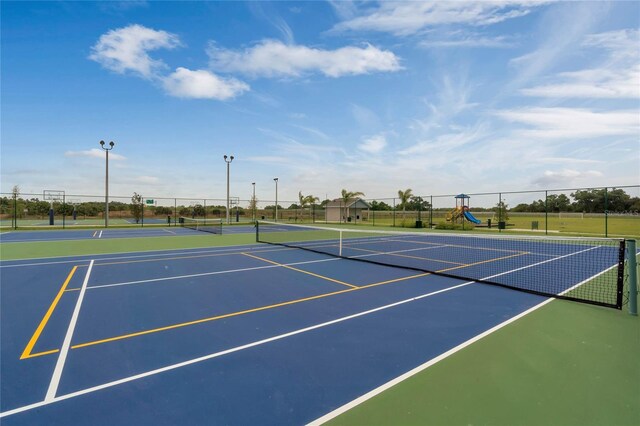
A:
{"points": [[340, 211]]}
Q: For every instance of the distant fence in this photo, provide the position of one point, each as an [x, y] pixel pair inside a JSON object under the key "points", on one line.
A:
{"points": [[603, 211]]}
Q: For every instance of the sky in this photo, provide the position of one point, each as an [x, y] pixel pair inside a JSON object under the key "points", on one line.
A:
{"points": [[439, 97]]}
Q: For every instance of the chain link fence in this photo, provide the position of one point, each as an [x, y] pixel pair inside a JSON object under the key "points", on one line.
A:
{"points": [[604, 211]]}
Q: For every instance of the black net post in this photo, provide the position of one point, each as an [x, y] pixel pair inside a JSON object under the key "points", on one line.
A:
{"points": [[175, 211], [64, 210], [620, 278], [15, 211], [142, 209]]}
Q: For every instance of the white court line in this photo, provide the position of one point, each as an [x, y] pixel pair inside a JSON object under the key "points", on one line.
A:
{"points": [[57, 372], [346, 407], [205, 274], [154, 253], [293, 333], [254, 268], [171, 232], [100, 235], [221, 353]]}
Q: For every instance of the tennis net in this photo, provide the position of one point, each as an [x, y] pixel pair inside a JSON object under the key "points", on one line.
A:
{"points": [[585, 270], [213, 226]]}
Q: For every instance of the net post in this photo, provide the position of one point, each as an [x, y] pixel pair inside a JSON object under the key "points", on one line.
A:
{"points": [[257, 231], [340, 243], [633, 277]]}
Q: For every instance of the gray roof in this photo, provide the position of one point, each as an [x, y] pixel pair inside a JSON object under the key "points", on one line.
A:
{"points": [[352, 203]]}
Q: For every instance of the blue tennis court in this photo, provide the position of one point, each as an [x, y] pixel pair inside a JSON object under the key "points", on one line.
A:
{"points": [[257, 334]]}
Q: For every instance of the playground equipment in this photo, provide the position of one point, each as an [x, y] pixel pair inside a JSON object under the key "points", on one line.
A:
{"points": [[461, 212]]}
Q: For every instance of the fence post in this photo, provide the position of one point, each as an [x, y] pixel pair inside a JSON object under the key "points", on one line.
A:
{"points": [[15, 211], [632, 270], [394, 212], [606, 216], [175, 212], [499, 211], [431, 212], [64, 210], [546, 213]]}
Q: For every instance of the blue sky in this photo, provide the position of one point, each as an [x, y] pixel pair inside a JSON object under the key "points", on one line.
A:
{"points": [[373, 97]]}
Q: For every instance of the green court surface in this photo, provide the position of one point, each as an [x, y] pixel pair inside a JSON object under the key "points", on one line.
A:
{"points": [[565, 363], [32, 250]]}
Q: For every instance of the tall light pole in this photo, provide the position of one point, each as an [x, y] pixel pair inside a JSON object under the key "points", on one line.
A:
{"points": [[228, 160], [253, 201], [106, 183], [276, 181]]}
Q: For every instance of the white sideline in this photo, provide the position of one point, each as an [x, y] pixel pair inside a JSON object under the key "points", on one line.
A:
{"points": [[221, 353], [332, 414], [57, 372]]}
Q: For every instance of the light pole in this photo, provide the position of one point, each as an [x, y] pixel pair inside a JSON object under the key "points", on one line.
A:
{"points": [[106, 183], [228, 161], [276, 181], [253, 201]]}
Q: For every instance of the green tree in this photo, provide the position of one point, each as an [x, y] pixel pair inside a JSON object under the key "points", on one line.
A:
{"points": [[501, 211], [253, 206], [198, 210], [136, 206], [163, 211], [416, 203], [557, 203], [379, 206], [306, 200]]}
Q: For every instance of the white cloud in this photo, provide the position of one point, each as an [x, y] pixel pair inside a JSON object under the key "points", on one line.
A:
{"points": [[563, 29], [562, 123], [617, 77], [94, 153], [202, 84], [407, 18], [272, 58], [622, 43], [374, 144], [125, 49], [565, 177], [592, 83], [449, 141], [470, 40]]}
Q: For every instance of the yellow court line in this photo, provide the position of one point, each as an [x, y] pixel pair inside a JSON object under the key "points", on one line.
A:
{"points": [[27, 350], [264, 308], [167, 258], [460, 246], [233, 314], [94, 234], [484, 261], [407, 256], [301, 270]]}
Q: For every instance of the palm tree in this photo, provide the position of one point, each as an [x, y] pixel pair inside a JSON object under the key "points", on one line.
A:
{"points": [[306, 200], [404, 197], [347, 195]]}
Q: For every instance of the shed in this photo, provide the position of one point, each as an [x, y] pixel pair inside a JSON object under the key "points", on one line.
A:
{"points": [[340, 211]]}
